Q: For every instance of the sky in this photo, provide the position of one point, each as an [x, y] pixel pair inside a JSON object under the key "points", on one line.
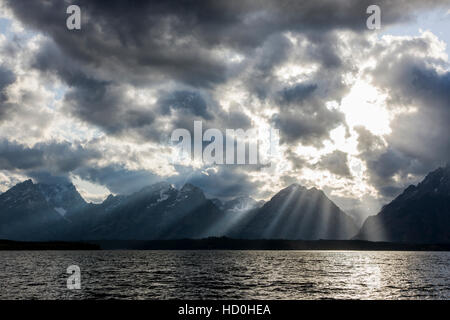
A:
{"points": [[361, 113]]}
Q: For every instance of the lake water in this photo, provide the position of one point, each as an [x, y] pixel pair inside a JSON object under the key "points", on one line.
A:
{"points": [[226, 275]]}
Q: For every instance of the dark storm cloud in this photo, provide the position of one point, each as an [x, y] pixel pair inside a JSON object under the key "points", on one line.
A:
{"points": [[135, 23], [335, 162], [16, 156], [138, 41], [302, 112], [383, 169], [51, 158], [372, 149], [104, 102], [234, 119], [272, 52], [43, 176], [368, 143], [149, 42], [324, 49], [157, 40], [309, 124], [181, 108], [97, 101], [297, 93], [384, 162], [185, 101], [7, 77], [321, 49], [106, 106]]}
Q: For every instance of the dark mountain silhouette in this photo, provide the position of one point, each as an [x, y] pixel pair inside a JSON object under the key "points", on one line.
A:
{"points": [[420, 214], [31, 211], [297, 213], [156, 212]]}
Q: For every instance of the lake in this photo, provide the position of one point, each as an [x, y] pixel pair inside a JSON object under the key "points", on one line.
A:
{"points": [[226, 275]]}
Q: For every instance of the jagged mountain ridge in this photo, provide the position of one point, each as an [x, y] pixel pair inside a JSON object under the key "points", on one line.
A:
{"points": [[420, 214], [29, 211], [161, 211]]}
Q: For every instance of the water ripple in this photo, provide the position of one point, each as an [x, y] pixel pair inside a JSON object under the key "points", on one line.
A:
{"points": [[227, 275]]}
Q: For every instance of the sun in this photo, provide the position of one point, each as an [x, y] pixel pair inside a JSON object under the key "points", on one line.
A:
{"points": [[365, 106]]}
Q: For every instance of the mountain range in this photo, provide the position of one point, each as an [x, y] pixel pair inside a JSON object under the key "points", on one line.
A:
{"points": [[35, 211]]}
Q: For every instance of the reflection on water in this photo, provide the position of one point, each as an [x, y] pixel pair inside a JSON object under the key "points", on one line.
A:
{"points": [[227, 275]]}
